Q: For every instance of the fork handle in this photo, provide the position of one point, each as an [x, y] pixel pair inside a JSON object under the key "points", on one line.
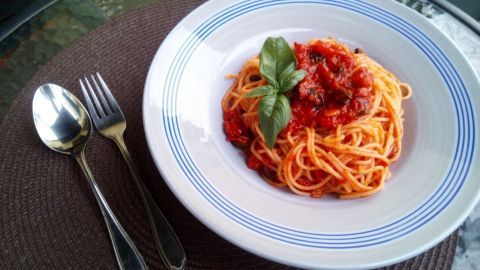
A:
{"points": [[168, 244], [128, 256]]}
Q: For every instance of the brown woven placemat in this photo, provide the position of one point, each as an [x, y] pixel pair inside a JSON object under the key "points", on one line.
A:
{"points": [[49, 218]]}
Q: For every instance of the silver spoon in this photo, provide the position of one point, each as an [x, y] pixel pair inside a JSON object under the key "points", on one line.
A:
{"points": [[64, 126]]}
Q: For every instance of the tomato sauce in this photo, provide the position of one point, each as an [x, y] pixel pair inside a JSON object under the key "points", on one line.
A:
{"points": [[335, 91], [235, 130]]}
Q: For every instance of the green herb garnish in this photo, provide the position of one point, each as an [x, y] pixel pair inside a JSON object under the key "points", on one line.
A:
{"points": [[278, 67]]}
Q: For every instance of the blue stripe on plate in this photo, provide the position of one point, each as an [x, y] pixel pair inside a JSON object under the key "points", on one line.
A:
{"points": [[446, 192]]}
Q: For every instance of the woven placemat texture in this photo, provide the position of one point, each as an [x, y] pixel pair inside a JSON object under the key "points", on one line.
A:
{"points": [[49, 218]]}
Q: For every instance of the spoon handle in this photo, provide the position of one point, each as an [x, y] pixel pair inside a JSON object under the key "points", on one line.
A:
{"points": [[168, 244], [128, 256]]}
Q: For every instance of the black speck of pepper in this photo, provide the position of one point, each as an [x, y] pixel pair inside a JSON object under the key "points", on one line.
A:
{"points": [[254, 78]]}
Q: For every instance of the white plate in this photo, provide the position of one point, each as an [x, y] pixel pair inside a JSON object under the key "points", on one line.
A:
{"points": [[434, 184]]}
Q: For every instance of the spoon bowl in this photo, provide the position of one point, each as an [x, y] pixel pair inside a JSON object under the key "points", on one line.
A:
{"points": [[61, 120]]}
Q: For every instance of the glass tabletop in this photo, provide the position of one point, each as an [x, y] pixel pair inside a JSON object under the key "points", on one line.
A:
{"points": [[26, 49]]}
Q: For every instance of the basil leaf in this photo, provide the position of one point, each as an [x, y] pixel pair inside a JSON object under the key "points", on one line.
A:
{"points": [[288, 81], [289, 69], [261, 91], [276, 57], [277, 66], [273, 114]]}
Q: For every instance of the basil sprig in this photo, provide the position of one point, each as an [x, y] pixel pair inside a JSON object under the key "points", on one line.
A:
{"points": [[278, 67]]}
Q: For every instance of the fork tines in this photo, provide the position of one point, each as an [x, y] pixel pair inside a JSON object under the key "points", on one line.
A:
{"points": [[96, 109]]}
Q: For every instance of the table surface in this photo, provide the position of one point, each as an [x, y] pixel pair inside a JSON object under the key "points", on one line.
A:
{"points": [[28, 48]]}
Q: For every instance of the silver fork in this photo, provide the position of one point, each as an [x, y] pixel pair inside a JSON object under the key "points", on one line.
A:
{"points": [[110, 122]]}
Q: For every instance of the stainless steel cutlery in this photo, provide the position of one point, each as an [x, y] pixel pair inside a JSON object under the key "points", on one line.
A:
{"points": [[64, 126]]}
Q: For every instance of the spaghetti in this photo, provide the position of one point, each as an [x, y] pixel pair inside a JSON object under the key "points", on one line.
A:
{"points": [[346, 125]]}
